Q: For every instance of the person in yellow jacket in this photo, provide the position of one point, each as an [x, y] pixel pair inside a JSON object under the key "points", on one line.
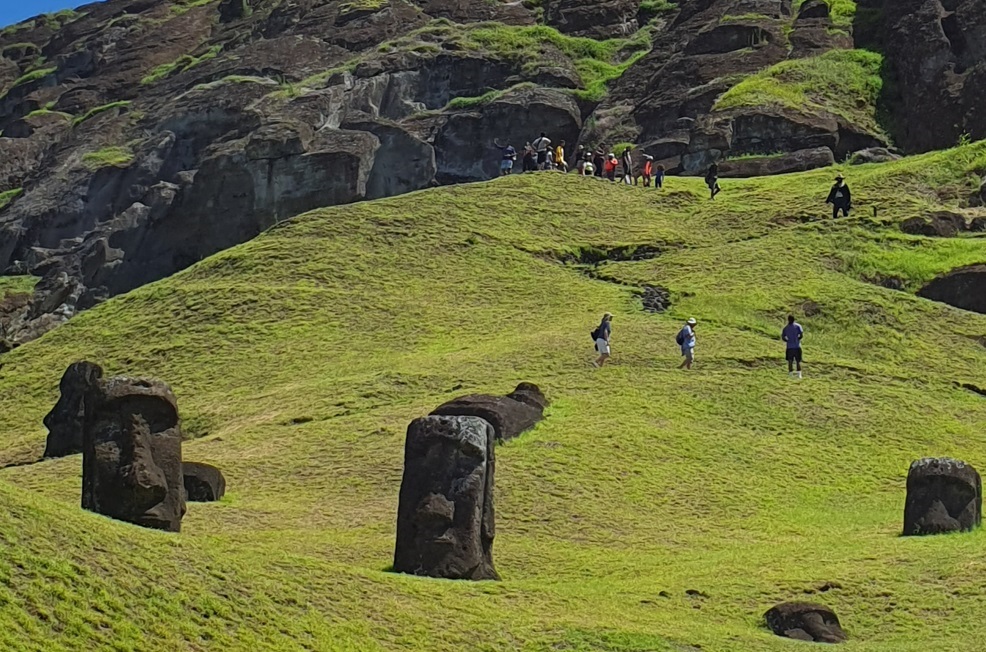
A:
{"points": [[560, 162]]}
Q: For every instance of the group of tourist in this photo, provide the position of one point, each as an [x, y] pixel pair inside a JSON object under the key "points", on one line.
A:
{"points": [[791, 335], [540, 155]]}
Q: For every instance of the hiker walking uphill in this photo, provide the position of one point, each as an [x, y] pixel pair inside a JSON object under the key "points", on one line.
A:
{"points": [[507, 157], [712, 180], [792, 334], [601, 337], [686, 340], [542, 145], [840, 197]]}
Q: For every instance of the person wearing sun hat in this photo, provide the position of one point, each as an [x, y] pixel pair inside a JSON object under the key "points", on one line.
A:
{"points": [[601, 336], [686, 340], [840, 197]]}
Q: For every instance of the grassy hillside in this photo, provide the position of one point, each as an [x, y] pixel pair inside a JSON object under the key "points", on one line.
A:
{"points": [[654, 509]]}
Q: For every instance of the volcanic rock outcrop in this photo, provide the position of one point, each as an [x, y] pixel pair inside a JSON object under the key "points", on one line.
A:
{"points": [[943, 495], [509, 415], [445, 525], [131, 457], [66, 421], [204, 483], [804, 621], [140, 137]]}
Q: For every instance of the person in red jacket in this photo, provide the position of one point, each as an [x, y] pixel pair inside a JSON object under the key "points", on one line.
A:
{"points": [[610, 167], [646, 171]]}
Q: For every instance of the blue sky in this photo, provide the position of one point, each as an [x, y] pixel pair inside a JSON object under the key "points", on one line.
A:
{"points": [[14, 11]]}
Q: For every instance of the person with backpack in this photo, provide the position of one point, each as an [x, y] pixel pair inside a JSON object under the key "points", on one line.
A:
{"points": [[840, 198], [686, 340], [508, 156], [712, 180], [792, 335], [542, 145], [659, 177], [601, 337]]}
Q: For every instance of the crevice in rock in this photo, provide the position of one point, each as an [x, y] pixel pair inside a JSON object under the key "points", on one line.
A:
{"points": [[972, 388]]}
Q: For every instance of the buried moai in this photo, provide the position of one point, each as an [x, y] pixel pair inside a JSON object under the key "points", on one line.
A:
{"points": [[943, 495], [204, 483], [131, 458], [445, 522], [509, 415], [804, 621], [66, 420]]}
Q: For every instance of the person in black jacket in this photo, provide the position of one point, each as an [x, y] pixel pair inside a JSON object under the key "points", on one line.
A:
{"points": [[840, 198], [712, 180]]}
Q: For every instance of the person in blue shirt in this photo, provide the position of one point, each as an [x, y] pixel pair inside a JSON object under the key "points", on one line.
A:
{"points": [[686, 340], [508, 156], [792, 334]]}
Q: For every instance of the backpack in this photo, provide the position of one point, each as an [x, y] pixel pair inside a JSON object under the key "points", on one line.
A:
{"points": [[594, 334], [680, 337]]}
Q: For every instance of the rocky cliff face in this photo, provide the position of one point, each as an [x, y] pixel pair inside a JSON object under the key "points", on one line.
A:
{"points": [[140, 136]]}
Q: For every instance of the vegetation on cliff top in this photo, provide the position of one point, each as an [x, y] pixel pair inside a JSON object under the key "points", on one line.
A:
{"points": [[653, 509], [846, 83]]}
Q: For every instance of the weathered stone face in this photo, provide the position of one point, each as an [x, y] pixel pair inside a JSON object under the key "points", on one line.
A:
{"points": [[445, 522], [66, 420], [943, 495], [131, 465], [804, 621]]}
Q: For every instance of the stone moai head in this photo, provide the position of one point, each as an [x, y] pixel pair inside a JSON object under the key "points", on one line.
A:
{"points": [[943, 495], [131, 466], [445, 517], [66, 420]]}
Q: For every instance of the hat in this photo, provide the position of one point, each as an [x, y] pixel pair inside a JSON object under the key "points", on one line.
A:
{"points": [[648, 157], [839, 177], [692, 322], [612, 154]]}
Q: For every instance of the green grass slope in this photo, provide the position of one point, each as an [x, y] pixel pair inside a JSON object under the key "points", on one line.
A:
{"points": [[300, 357]]}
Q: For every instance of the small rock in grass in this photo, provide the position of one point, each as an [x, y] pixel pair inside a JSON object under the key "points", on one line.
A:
{"points": [[805, 621]]}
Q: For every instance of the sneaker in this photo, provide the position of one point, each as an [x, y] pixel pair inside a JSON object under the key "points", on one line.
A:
{"points": [[799, 375]]}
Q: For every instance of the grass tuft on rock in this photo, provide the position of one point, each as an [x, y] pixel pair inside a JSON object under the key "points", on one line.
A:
{"points": [[846, 83], [119, 157]]}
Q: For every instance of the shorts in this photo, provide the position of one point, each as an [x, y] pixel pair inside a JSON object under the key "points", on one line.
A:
{"points": [[688, 352], [542, 157], [794, 355], [506, 164], [602, 346]]}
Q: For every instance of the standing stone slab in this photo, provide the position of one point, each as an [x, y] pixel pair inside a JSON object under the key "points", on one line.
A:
{"points": [[445, 517], [943, 495], [131, 458], [66, 420], [804, 621]]}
